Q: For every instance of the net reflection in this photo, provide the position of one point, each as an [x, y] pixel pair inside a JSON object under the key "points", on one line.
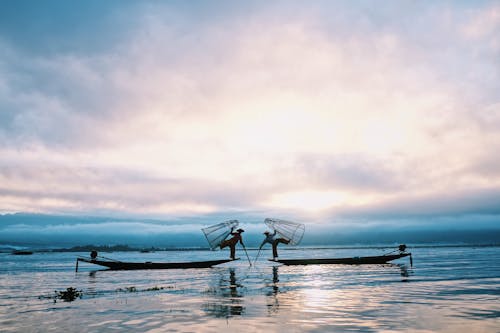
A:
{"points": [[226, 298]]}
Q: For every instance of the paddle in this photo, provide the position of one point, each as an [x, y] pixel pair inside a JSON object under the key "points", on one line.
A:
{"points": [[258, 253], [244, 248]]}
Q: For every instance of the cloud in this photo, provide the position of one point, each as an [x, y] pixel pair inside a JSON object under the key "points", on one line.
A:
{"points": [[202, 110], [465, 203], [79, 189], [483, 23]]}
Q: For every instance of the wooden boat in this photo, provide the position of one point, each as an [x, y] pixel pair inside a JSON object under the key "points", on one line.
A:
{"points": [[122, 265], [345, 261]]}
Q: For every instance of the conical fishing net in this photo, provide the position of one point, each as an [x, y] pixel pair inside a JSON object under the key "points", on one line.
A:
{"points": [[215, 234], [290, 230]]}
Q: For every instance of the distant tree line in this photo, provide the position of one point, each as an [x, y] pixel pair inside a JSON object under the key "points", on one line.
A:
{"points": [[100, 248], [119, 248]]}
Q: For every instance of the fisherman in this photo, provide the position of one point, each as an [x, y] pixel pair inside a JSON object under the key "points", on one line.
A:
{"points": [[231, 242], [270, 238]]}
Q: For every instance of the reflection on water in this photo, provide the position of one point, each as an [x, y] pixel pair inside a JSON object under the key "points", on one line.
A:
{"points": [[272, 295], [447, 290], [92, 283], [225, 298], [405, 273]]}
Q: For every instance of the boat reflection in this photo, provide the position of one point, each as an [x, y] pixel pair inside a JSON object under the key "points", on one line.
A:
{"points": [[226, 297]]}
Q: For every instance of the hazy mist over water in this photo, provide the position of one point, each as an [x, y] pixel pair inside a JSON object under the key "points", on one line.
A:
{"points": [[33, 230]]}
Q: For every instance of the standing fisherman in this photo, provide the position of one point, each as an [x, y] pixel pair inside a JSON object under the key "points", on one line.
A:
{"points": [[274, 242], [231, 242]]}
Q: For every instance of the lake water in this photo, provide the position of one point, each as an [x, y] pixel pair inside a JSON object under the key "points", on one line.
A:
{"points": [[448, 289]]}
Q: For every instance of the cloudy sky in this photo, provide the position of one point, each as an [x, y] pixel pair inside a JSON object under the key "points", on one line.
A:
{"points": [[322, 111]]}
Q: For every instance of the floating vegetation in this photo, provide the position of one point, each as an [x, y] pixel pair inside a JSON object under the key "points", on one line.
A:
{"points": [[68, 295], [71, 294], [134, 289], [131, 289], [155, 288]]}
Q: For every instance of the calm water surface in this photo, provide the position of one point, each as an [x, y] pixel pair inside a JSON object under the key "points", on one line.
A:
{"points": [[448, 289]]}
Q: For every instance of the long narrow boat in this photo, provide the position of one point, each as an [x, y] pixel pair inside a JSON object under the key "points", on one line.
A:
{"points": [[122, 265], [346, 261]]}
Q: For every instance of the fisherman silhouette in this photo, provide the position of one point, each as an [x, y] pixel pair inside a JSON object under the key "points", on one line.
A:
{"points": [[231, 242], [270, 238]]}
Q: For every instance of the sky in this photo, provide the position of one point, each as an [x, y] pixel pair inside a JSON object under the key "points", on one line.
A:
{"points": [[333, 113]]}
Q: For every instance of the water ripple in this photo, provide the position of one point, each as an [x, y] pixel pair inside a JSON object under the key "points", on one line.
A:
{"points": [[447, 289]]}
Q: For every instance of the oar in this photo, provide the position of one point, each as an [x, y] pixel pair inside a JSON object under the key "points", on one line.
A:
{"points": [[244, 248], [258, 253]]}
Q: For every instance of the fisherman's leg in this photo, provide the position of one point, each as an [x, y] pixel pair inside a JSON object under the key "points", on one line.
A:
{"points": [[283, 240], [275, 249], [233, 251]]}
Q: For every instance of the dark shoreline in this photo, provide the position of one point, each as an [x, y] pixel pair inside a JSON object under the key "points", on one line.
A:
{"points": [[127, 248]]}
